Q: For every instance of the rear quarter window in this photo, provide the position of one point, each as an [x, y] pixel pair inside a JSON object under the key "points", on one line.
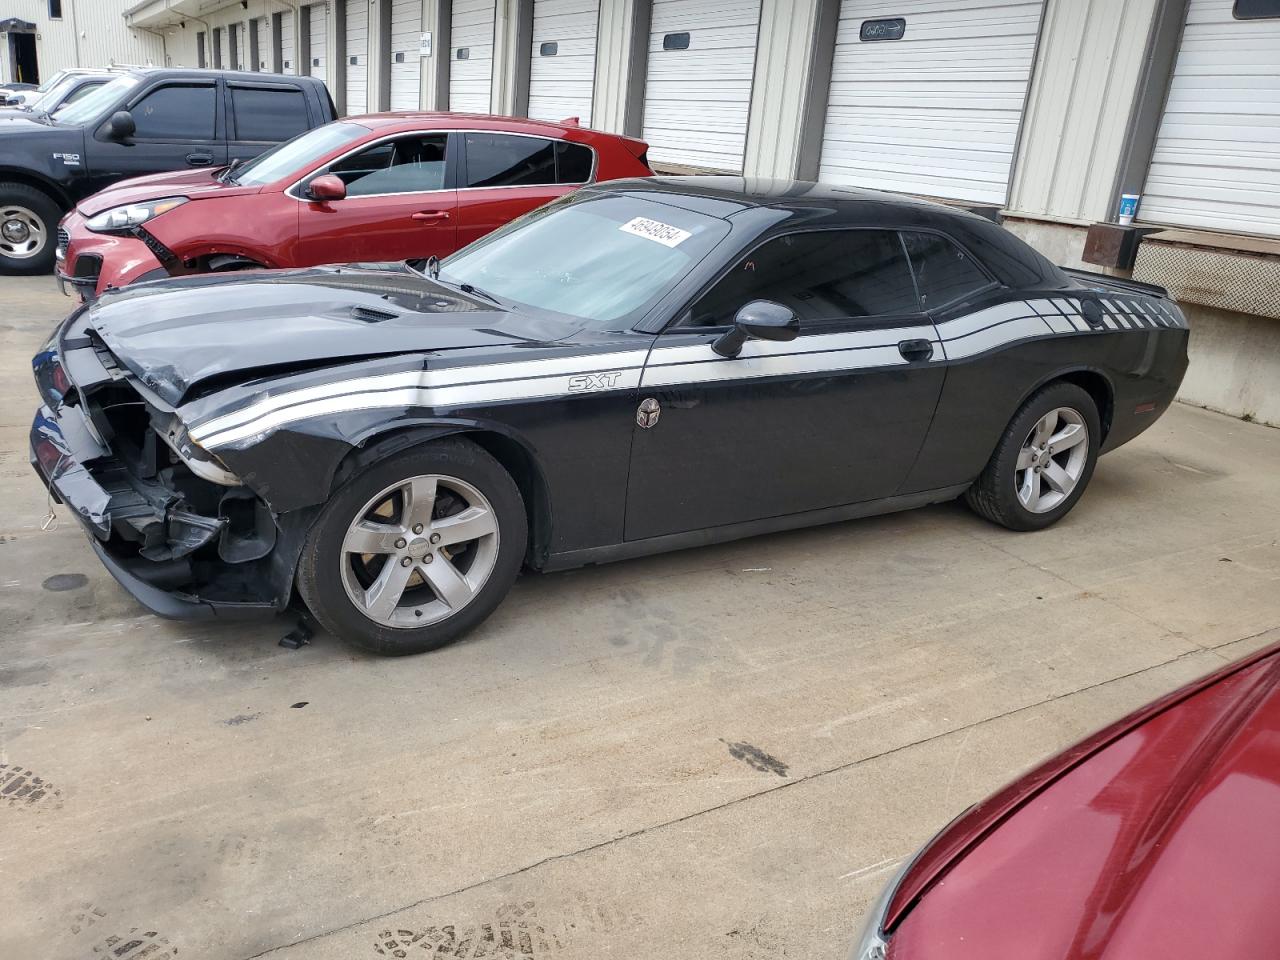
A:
{"points": [[268, 114], [944, 271]]}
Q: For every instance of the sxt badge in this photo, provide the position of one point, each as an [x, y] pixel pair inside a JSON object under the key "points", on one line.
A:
{"points": [[594, 381]]}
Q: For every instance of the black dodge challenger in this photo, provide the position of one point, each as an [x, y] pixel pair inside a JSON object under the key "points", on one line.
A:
{"points": [[644, 365]]}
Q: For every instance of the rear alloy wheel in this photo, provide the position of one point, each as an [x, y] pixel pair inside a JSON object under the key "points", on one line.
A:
{"points": [[415, 550], [28, 221], [1043, 462]]}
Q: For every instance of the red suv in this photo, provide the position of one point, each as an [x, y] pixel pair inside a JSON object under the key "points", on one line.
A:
{"points": [[375, 188]]}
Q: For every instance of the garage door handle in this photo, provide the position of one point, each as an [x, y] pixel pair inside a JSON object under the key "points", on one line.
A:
{"points": [[913, 350], [430, 216], [199, 159]]}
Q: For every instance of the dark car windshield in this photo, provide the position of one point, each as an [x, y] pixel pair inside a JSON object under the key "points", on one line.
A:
{"points": [[90, 106], [293, 155], [600, 258]]}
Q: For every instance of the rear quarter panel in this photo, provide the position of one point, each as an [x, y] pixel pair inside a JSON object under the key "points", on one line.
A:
{"points": [[1002, 352]]}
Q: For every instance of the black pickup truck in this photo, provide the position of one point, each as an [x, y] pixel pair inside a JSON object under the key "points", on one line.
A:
{"points": [[147, 120]]}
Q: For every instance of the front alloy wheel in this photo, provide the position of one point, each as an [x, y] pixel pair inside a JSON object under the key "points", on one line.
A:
{"points": [[415, 548], [419, 551]]}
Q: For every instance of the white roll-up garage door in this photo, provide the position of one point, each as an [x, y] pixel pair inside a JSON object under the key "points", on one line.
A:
{"points": [[262, 30], [1217, 158], [318, 59], [936, 112], [563, 70], [697, 94], [471, 63], [406, 64], [357, 51], [288, 55]]}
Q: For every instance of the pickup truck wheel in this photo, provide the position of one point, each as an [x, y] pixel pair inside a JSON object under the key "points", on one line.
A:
{"points": [[415, 550], [28, 226]]}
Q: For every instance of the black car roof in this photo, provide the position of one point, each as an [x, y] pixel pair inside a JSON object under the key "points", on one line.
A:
{"points": [[1009, 258]]}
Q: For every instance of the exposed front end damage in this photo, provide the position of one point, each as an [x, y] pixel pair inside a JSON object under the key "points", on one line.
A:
{"points": [[177, 528]]}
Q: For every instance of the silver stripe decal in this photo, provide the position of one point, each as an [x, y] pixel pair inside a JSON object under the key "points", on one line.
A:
{"points": [[961, 338], [466, 395], [424, 379]]}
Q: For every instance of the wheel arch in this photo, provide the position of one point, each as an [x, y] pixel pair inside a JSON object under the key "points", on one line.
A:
{"points": [[45, 186], [1093, 382], [514, 452]]}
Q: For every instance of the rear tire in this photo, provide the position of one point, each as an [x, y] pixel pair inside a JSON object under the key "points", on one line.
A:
{"points": [[1043, 461], [28, 229], [434, 535]]}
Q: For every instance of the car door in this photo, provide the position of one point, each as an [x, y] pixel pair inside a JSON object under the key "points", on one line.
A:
{"points": [[400, 204], [835, 416], [178, 125], [508, 174], [260, 115]]}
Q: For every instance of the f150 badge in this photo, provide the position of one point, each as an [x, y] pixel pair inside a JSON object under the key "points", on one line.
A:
{"points": [[594, 381], [68, 159]]}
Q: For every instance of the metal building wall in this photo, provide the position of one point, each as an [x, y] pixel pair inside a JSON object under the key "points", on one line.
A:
{"points": [[91, 33], [1079, 109]]}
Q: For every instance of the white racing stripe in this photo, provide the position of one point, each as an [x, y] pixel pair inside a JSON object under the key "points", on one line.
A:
{"points": [[956, 339], [422, 380], [471, 394]]}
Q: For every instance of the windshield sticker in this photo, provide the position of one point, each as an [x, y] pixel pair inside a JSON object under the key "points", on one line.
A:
{"points": [[657, 231]]}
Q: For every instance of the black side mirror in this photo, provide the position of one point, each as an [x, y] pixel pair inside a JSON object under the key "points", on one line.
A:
{"points": [[758, 320], [121, 125]]}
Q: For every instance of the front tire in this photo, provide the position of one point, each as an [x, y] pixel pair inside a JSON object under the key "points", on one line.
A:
{"points": [[28, 229], [1043, 462], [415, 550]]}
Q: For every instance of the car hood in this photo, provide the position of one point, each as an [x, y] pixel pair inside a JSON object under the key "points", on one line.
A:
{"points": [[176, 334], [193, 184], [1163, 841]]}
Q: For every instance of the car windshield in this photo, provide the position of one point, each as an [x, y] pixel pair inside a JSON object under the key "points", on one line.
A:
{"points": [[604, 259], [292, 155], [90, 106], [53, 95], [53, 81]]}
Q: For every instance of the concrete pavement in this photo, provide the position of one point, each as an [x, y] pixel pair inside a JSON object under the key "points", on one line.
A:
{"points": [[717, 753]]}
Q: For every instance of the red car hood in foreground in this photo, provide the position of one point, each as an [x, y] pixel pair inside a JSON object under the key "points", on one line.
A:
{"points": [[1158, 837], [181, 183]]}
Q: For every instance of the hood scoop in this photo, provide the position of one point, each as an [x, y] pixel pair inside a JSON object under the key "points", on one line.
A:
{"points": [[372, 315]]}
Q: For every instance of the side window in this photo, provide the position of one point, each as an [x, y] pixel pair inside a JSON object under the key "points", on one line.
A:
{"points": [[407, 165], [824, 275], [78, 92], [176, 112], [943, 271], [268, 114], [573, 162], [502, 160]]}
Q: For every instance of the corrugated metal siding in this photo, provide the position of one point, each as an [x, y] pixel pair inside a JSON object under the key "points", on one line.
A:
{"points": [[406, 64], [696, 101], [357, 53], [783, 62], [90, 34], [471, 80], [1217, 159], [937, 112], [561, 85], [1082, 92]]}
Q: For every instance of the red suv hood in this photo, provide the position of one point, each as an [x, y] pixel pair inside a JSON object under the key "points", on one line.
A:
{"points": [[1158, 837], [181, 183]]}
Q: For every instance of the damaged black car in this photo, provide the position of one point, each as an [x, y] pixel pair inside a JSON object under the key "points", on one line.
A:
{"points": [[641, 366]]}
